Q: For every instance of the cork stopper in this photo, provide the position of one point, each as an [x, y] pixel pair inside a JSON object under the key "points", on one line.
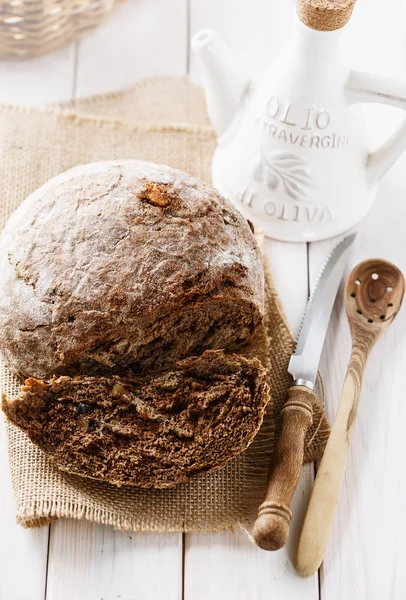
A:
{"points": [[325, 15]]}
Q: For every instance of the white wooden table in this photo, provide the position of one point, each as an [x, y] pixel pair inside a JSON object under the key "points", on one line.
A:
{"points": [[367, 551]]}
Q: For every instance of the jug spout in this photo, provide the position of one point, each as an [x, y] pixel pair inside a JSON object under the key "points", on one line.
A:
{"points": [[224, 84]]}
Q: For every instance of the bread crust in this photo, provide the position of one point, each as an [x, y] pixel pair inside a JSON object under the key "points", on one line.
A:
{"points": [[107, 265]]}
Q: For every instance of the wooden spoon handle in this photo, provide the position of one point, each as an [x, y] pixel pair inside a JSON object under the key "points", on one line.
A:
{"points": [[320, 513], [272, 525]]}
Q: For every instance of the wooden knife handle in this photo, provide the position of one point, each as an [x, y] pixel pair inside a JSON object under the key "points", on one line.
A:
{"points": [[271, 528]]}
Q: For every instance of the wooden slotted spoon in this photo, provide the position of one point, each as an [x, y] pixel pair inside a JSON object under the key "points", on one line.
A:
{"points": [[373, 297]]}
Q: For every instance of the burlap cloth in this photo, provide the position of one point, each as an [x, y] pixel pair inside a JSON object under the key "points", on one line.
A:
{"points": [[164, 121]]}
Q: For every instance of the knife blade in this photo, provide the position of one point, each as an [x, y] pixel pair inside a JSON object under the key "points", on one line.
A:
{"points": [[271, 528], [304, 362]]}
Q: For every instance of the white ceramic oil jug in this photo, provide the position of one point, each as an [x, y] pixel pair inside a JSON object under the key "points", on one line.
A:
{"points": [[293, 153]]}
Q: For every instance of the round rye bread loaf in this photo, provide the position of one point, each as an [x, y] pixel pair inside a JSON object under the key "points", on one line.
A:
{"points": [[124, 264], [111, 275]]}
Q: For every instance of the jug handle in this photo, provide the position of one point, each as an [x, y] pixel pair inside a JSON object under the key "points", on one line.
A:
{"points": [[368, 87]]}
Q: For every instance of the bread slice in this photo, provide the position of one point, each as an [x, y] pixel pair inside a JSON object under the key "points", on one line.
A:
{"points": [[151, 430]]}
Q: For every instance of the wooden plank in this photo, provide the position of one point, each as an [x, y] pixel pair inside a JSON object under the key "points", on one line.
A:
{"points": [[33, 82], [141, 40], [366, 551], [23, 553], [95, 562], [226, 565]]}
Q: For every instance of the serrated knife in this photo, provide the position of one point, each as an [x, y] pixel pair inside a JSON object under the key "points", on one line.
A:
{"points": [[272, 525]]}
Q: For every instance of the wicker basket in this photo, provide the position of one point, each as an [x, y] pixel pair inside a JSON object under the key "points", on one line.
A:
{"points": [[30, 28]]}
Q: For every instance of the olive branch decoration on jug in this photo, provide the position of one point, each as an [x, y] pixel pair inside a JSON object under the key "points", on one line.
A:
{"points": [[287, 171]]}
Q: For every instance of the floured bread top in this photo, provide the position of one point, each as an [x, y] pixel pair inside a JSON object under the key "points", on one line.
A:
{"points": [[99, 252]]}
